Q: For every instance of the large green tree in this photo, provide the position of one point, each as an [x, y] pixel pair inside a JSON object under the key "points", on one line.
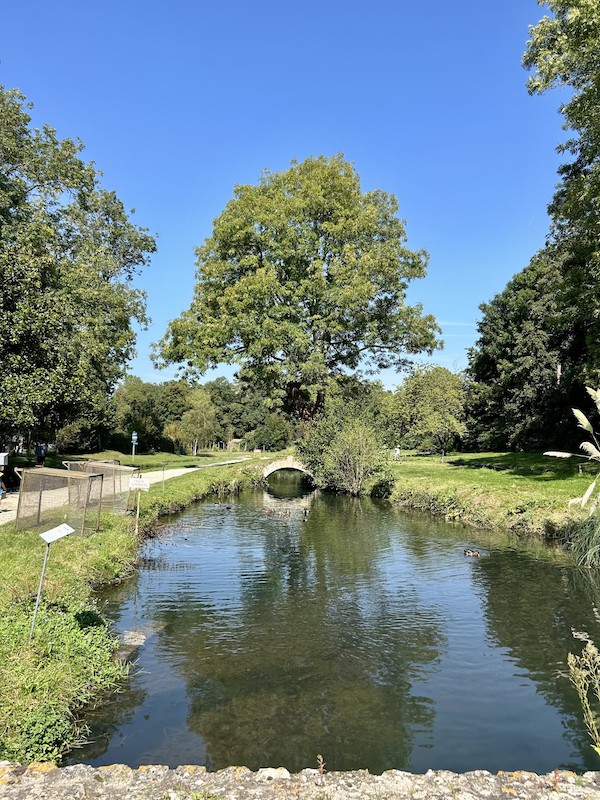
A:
{"points": [[433, 399], [68, 253], [564, 52], [530, 361], [539, 339], [303, 277]]}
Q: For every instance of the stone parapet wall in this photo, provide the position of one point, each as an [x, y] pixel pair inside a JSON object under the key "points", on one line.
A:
{"points": [[80, 782]]}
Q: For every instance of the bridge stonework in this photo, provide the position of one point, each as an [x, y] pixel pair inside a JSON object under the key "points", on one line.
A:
{"points": [[289, 462]]}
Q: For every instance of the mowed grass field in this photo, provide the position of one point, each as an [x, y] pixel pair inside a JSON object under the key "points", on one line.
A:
{"points": [[146, 461], [527, 493]]}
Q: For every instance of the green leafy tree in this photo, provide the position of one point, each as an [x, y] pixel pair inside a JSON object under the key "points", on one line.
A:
{"points": [[562, 52], [240, 407], [434, 399], [274, 433], [343, 455], [304, 277], [68, 252], [135, 404], [540, 338], [199, 425], [174, 433], [343, 447], [353, 456], [172, 401]]}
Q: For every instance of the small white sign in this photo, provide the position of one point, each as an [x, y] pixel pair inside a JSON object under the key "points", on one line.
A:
{"points": [[139, 484], [57, 533]]}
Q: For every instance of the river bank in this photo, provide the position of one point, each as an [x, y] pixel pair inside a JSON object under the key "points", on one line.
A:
{"points": [[46, 782]]}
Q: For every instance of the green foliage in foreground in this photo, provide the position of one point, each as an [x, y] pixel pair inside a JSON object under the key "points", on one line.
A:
{"points": [[584, 536], [342, 447], [45, 683], [584, 673], [342, 457]]}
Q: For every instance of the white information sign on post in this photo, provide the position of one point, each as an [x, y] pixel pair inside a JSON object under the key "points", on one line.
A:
{"points": [[56, 533], [139, 484], [48, 536]]}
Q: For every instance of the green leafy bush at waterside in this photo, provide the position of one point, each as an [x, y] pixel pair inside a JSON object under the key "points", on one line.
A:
{"points": [[343, 456], [45, 681]]}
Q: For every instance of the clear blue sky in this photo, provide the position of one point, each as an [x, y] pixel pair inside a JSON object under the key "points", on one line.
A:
{"points": [[178, 102]]}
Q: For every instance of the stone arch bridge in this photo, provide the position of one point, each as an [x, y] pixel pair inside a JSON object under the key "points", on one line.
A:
{"points": [[289, 462]]}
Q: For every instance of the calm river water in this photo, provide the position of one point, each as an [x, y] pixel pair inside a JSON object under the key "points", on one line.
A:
{"points": [[348, 629]]}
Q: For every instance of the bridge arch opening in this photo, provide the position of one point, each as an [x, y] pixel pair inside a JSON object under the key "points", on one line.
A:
{"points": [[291, 485], [287, 463]]}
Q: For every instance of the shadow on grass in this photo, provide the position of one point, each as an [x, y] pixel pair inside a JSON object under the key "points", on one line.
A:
{"points": [[531, 465]]}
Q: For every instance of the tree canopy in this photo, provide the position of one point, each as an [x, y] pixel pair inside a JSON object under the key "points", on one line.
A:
{"points": [[531, 360], [303, 277], [433, 400], [564, 52], [68, 252], [539, 339]]}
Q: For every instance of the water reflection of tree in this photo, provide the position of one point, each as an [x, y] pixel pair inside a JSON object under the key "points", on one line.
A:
{"points": [[321, 655], [531, 607]]}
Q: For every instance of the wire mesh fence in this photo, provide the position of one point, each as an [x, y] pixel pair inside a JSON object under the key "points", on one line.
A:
{"points": [[116, 496], [49, 497]]}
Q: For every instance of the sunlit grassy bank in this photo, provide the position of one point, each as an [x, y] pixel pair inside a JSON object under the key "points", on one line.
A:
{"points": [[69, 663], [523, 492]]}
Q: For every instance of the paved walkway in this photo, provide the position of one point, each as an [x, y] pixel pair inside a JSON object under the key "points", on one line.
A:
{"points": [[10, 501]]}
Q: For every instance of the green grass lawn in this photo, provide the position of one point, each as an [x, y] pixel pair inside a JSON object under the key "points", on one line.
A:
{"points": [[523, 492]]}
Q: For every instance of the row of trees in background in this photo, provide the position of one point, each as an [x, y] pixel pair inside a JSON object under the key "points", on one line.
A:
{"points": [[180, 416], [427, 412]]}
